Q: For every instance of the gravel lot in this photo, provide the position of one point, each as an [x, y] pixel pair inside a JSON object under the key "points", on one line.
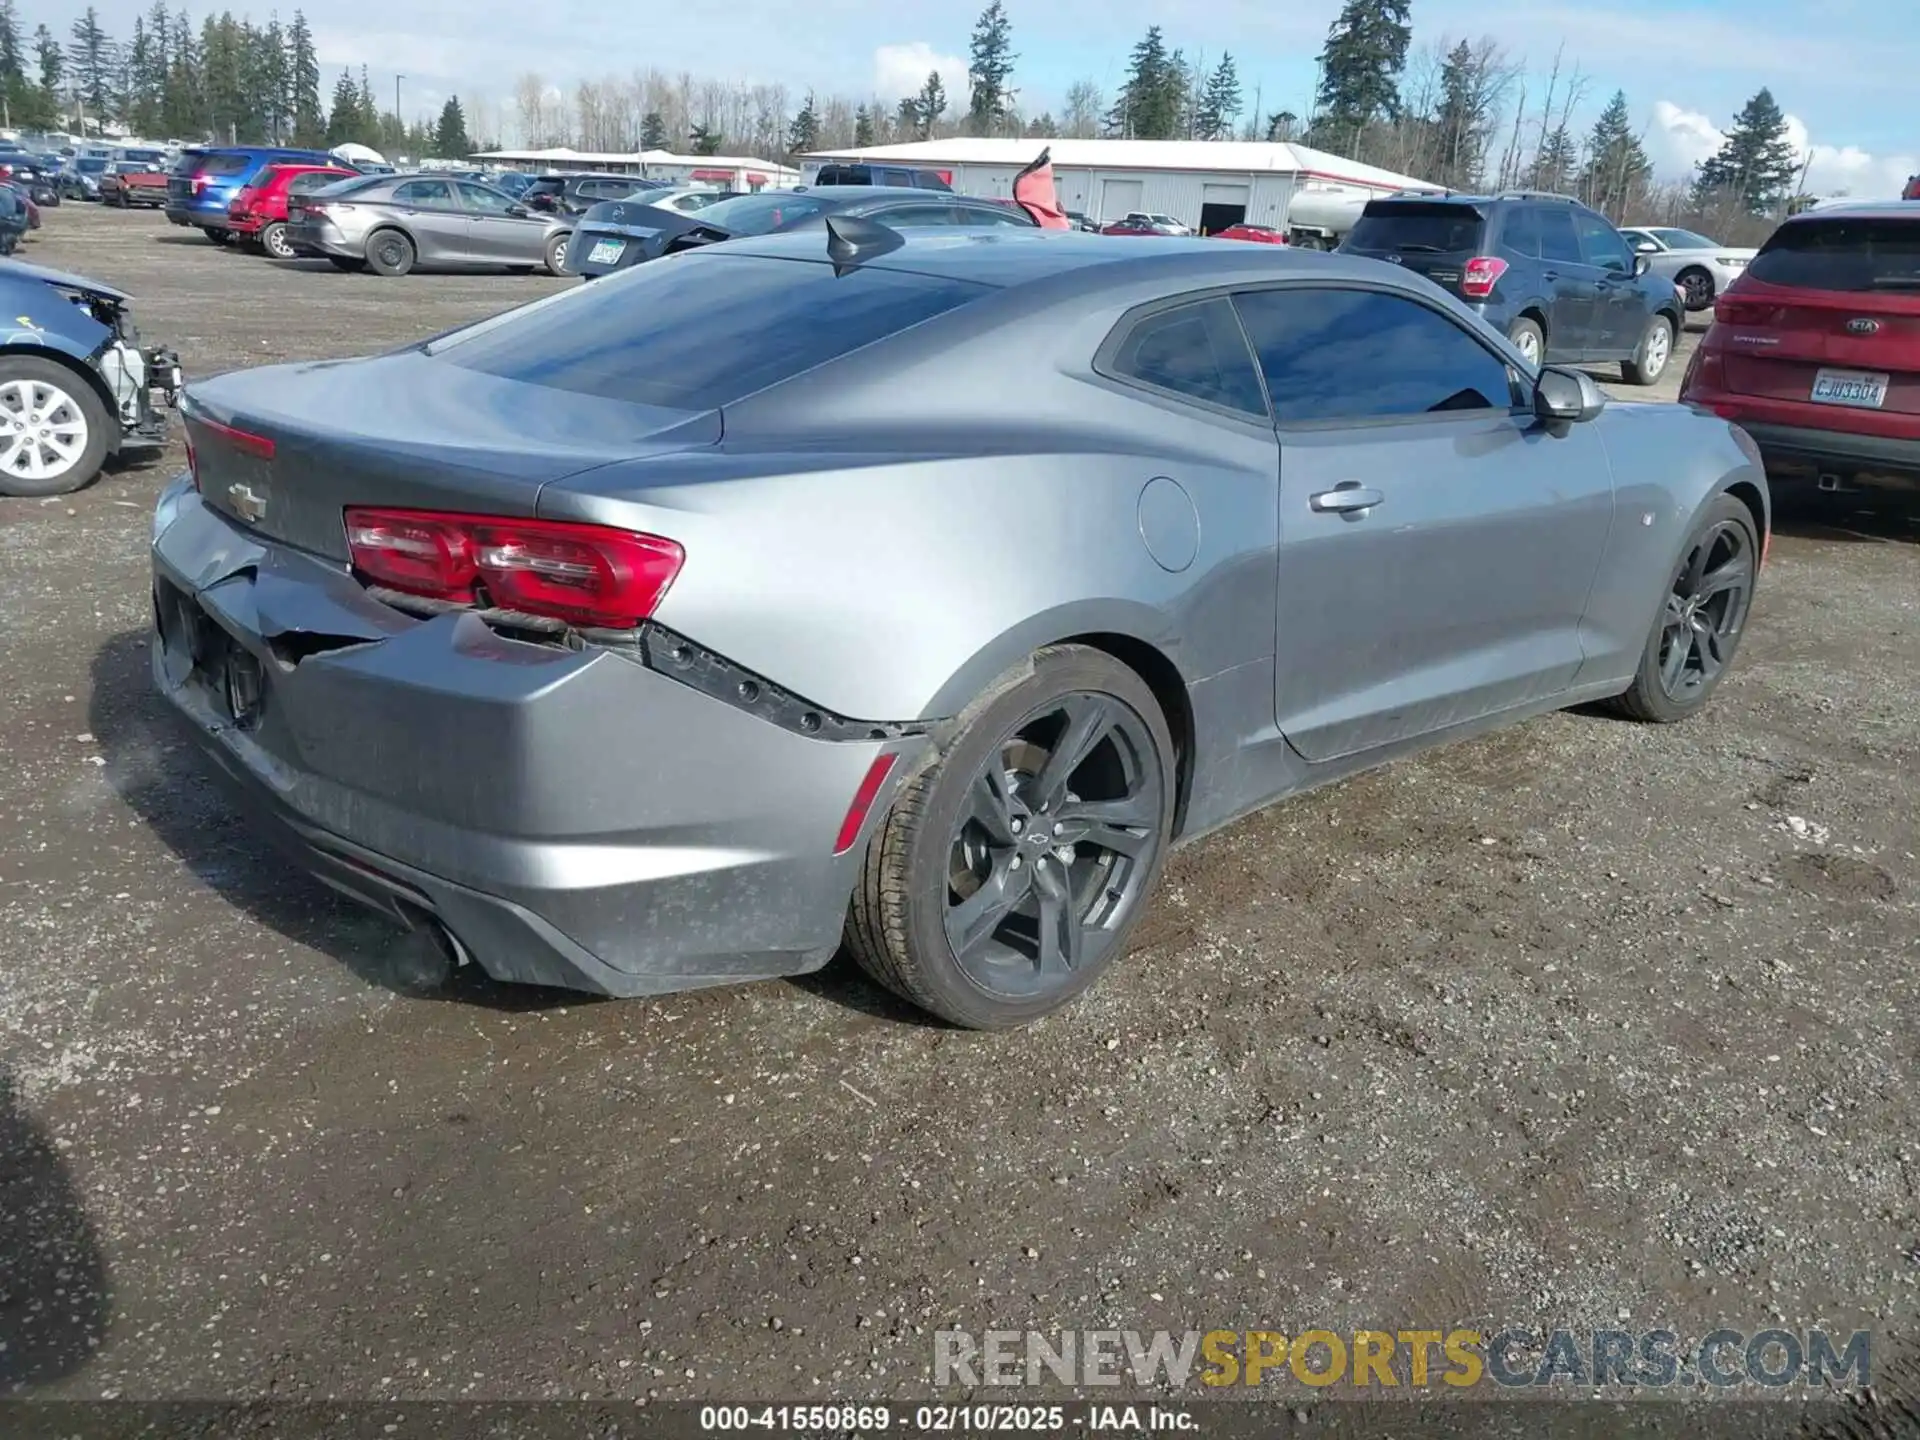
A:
{"points": [[1585, 1024]]}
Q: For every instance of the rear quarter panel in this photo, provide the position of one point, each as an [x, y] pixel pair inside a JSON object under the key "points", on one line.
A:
{"points": [[1669, 462]]}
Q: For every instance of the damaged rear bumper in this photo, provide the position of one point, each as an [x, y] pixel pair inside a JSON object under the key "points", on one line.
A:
{"points": [[569, 817]]}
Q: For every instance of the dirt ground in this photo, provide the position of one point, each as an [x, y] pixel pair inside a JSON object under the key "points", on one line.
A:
{"points": [[1587, 1024]]}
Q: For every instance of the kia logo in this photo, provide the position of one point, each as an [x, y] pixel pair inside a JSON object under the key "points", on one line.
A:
{"points": [[1863, 327]]}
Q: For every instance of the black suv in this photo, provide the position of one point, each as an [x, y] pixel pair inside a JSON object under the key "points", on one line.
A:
{"points": [[1551, 275], [906, 177], [573, 192]]}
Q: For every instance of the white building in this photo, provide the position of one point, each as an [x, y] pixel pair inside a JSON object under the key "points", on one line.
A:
{"points": [[1208, 184], [735, 172]]}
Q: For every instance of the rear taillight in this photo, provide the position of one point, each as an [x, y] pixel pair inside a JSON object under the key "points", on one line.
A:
{"points": [[193, 461], [583, 574], [245, 441], [1480, 275], [199, 183], [1730, 310]]}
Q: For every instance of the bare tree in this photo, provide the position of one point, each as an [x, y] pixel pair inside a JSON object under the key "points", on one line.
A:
{"points": [[1085, 105]]}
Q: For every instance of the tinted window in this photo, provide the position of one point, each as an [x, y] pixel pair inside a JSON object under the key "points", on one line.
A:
{"points": [[905, 216], [1520, 232], [1601, 244], [217, 163], [485, 200], [1683, 239], [1195, 350], [1558, 239], [312, 181], [423, 192], [1842, 254], [992, 215], [1360, 355], [545, 186], [694, 331], [761, 214], [1417, 229]]}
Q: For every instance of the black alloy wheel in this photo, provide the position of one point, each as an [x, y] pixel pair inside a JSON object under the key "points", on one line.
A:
{"points": [[1700, 626], [1697, 286], [1055, 845]]}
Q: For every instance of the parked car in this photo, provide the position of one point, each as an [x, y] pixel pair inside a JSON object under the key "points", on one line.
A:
{"points": [[704, 711], [75, 385], [257, 214], [896, 177], [626, 233], [1700, 267], [573, 193], [1138, 224], [127, 183], [1259, 234], [395, 224], [205, 181], [15, 219], [1815, 349], [81, 179], [1082, 222], [511, 182], [1551, 275], [35, 176]]}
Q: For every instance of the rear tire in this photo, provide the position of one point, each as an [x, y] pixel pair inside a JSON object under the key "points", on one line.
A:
{"points": [[389, 253], [1529, 341], [1652, 355], [217, 235], [1721, 558], [273, 240], [73, 415], [557, 255], [1697, 285], [1043, 867]]}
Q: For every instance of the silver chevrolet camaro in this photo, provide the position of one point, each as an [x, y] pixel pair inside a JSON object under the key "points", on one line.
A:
{"points": [[916, 594]]}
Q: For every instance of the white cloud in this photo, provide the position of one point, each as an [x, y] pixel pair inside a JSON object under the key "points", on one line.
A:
{"points": [[1678, 139], [900, 70]]}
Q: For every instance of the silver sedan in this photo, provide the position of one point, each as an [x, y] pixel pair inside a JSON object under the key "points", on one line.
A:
{"points": [[399, 223], [1700, 268]]}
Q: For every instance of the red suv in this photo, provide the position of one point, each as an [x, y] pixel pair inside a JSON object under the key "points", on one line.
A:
{"points": [[258, 211], [1815, 349]]}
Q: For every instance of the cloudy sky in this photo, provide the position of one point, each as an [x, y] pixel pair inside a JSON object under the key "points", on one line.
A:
{"points": [[1843, 69]]}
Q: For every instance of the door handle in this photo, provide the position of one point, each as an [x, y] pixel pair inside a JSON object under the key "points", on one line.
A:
{"points": [[1346, 498], [1549, 274]]}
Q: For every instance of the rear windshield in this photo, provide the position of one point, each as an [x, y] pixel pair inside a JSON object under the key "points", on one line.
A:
{"points": [[219, 162], [1840, 254], [545, 187], [697, 331], [761, 214], [1417, 229]]}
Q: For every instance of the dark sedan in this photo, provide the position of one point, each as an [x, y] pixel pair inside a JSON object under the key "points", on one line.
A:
{"points": [[624, 233]]}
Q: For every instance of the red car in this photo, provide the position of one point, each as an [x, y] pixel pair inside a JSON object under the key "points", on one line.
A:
{"points": [[1263, 234], [258, 212], [1815, 349]]}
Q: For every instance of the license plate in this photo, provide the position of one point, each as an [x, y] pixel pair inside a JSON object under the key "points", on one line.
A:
{"points": [[1859, 388], [606, 252]]}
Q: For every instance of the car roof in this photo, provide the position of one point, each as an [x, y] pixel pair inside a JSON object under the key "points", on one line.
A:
{"points": [[845, 193], [1007, 256], [1865, 210]]}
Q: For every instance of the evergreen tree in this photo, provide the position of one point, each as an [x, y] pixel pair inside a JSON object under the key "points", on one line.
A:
{"points": [[928, 106], [803, 135], [1360, 69], [1617, 168], [989, 71], [1219, 102], [1459, 125], [344, 121], [653, 131], [91, 52], [1152, 100], [706, 139], [1282, 124], [273, 82], [303, 79], [450, 140], [1756, 167], [862, 127], [1043, 128], [1554, 165]]}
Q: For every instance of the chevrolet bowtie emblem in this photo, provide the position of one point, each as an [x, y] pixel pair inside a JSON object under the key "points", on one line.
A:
{"points": [[248, 503]]}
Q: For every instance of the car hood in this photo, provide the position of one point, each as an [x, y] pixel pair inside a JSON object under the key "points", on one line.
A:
{"points": [[64, 280]]}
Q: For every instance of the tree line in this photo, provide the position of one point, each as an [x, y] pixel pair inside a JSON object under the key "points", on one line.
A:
{"points": [[225, 80], [1461, 113]]}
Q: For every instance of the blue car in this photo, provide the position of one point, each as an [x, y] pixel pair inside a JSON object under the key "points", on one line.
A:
{"points": [[206, 180]]}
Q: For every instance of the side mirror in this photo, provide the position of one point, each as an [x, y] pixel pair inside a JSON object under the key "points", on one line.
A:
{"points": [[1567, 397], [1647, 247], [519, 212], [1641, 265]]}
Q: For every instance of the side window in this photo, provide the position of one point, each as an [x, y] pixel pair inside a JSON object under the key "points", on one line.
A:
{"points": [[1520, 232], [914, 216], [479, 198], [889, 175], [1364, 355], [425, 192], [1558, 240], [992, 215], [1194, 350], [1601, 244], [313, 180]]}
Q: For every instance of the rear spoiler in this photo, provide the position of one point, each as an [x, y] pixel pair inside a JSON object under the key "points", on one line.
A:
{"points": [[1034, 192]]}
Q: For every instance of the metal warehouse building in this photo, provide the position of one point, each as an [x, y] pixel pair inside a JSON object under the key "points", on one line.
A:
{"points": [[1208, 184], [737, 172]]}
